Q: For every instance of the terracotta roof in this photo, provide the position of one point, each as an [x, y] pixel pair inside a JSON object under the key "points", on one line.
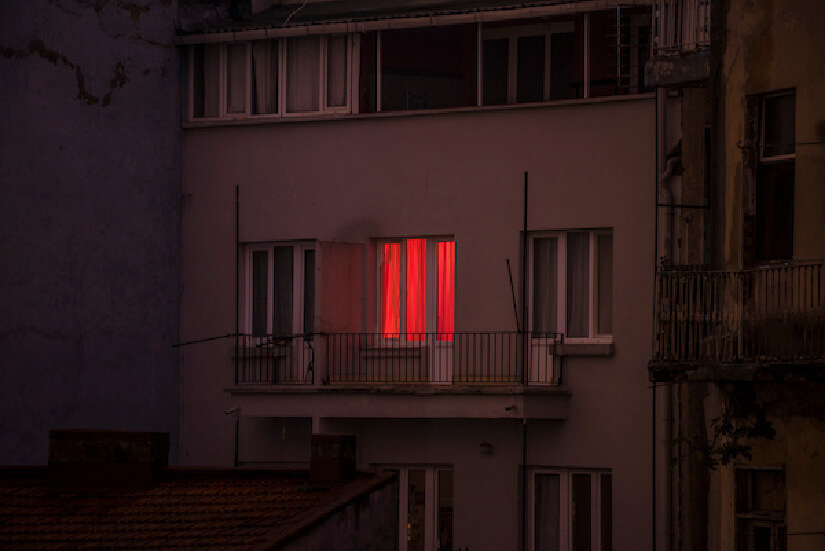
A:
{"points": [[188, 509]]}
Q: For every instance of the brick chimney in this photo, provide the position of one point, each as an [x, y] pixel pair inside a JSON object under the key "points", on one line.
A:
{"points": [[333, 457], [106, 460]]}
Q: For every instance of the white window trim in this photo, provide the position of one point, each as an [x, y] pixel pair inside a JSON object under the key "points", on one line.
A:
{"points": [[762, 103], [565, 513], [298, 249], [561, 292], [431, 282]]}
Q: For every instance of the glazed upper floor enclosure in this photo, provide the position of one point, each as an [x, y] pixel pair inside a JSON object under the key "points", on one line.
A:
{"points": [[303, 321], [524, 61]]}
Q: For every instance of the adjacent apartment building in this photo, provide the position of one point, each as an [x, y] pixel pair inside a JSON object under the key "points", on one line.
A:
{"points": [[430, 225], [740, 294]]}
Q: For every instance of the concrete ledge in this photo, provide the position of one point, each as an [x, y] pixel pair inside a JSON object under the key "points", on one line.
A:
{"points": [[680, 70]]}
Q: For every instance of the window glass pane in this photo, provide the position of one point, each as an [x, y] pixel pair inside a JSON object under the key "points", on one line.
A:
{"points": [[303, 74], [367, 85], [416, 289], [260, 266], [530, 69], [309, 291], [634, 49], [336, 71], [780, 125], [206, 75], [445, 300], [496, 55], [547, 519], [431, 68], [603, 54], [282, 290], [562, 66], [444, 519], [580, 512], [236, 78], [545, 284], [391, 290], [416, 509], [264, 77], [578, 284], [774, 211], [605, 284], [606, 512]]}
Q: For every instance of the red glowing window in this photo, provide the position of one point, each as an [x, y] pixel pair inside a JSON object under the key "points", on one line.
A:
{"points": [[416, 303], [391, 290], [445, 297]]}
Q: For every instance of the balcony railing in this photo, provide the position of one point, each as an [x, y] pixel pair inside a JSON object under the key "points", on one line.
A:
{"points": [[417, 358], [681, 26], [763, 315]]}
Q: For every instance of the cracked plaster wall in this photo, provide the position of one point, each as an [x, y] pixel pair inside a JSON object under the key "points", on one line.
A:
{"points": [[89, 220]]}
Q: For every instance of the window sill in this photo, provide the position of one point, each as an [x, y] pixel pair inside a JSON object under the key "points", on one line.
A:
{"points": [[584, 349], [331, 116]]}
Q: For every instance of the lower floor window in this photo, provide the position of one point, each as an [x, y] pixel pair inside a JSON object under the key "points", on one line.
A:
{"points": [[425, 508], [571, 510], [760, 509], [281, 289]]}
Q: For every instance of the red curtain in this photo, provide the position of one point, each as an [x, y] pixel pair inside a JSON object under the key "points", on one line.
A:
{"points": [[416, 315], [445, 300], [391, 290]]}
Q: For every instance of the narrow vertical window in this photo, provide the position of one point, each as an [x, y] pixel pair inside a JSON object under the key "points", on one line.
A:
{"points": [[336, 71], [264, 77], [282, 291], [530, 69], [309, 291], [260, 281], [416, 287], [605, 284], [562, 66], [303, 74], [580, 512], [496, 53], [578, 284], [444, 518], [445, 300], [545, 284], [236, 78], [391, 290], [205, 80], [368, 78], [548, 515], [606, 512]]}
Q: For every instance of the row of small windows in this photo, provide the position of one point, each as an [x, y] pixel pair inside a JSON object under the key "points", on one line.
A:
{"points": [[577, 56]]}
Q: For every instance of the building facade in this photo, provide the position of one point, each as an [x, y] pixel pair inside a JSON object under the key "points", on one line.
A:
{"points": [[357, 182], [739, 334]]}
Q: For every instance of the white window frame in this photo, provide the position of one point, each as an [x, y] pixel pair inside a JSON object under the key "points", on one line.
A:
{"points": [[298, 249], [561, 281], [430, 501], [431, 282], [322, 80], [763, 100], [512, 34], [565, 510]]}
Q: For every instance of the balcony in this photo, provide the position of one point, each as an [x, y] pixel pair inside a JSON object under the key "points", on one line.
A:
{"points": [[401, 359], [768, 315], [681, 43]]}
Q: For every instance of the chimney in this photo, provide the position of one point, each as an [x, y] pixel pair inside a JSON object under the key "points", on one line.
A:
{"points": [[333, 457], [106, 460]]}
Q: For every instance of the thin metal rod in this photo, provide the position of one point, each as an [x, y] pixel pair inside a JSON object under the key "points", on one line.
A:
{"points": [[524, 371], [513, 293]]}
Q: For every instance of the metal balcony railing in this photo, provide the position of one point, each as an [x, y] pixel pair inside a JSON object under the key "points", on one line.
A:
{"points": [[500, 357], [762, 315], [681, 26]]}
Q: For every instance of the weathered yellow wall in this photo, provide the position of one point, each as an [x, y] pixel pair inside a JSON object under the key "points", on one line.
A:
{"points": [[776, 45]]}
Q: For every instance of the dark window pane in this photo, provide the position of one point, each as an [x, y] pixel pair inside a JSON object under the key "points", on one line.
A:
{"points": [[309, 291], [545, 284], [264, 77], [260, 266], [774, 211], [606, 512], [444, 519], [282, 299], [205, 73], [530, 69], [605, 284], [496, 55], [548, 518], [581, 512], [562, 68], [578, 284], [428, 68], [762, 538], [367, 82], [236, 78], [603, 54], [780, 125], [416, 509]]}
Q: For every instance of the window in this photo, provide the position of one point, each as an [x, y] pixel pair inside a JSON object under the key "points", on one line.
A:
{"points": [[242, 79], [775, 177], [417, 288], [281, 290], [571, 510], [760, 509], [571, 283], [619, 46], [531, 63], [425, 508]]}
